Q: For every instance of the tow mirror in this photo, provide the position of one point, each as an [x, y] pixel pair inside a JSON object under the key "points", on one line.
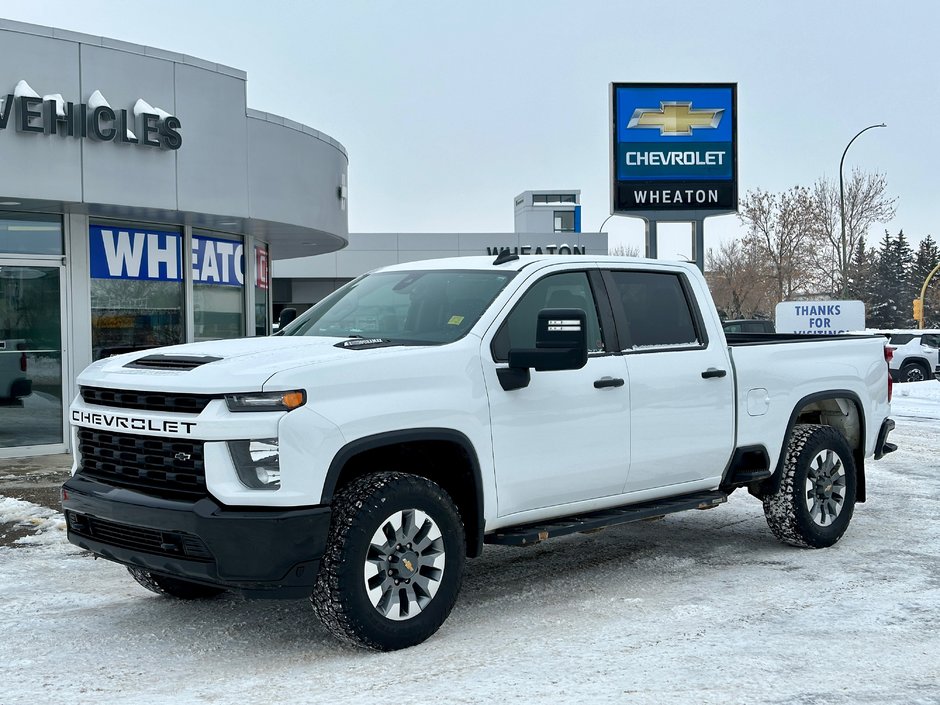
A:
{"points": [[560, 344]]}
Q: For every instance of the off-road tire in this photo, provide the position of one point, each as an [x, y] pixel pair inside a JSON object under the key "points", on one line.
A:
{"points": [[912, 372], [173, 587], [787, 509], [340, 598]]}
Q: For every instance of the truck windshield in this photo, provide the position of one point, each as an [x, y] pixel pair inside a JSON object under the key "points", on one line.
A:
{"points": [[409, 307]]}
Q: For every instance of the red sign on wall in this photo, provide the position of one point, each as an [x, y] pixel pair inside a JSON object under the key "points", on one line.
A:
{"points": [[261, 267]]}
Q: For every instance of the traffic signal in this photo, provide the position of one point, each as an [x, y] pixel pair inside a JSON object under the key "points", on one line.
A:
{"points": [[918, 309]]}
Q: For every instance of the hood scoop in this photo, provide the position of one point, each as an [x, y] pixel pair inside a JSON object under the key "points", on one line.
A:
{"points": [[171, 362]]}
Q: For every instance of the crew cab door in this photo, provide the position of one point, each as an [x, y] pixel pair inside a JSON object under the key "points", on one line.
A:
{"points": [[681, 382], [565, 436]]}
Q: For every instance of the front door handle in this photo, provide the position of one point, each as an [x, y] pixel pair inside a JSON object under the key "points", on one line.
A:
{"points": [[713, 372], [608, 382]]}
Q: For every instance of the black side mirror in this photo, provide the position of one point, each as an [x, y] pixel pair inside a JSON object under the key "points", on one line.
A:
{"points": [[287, 315], [560, 342]]}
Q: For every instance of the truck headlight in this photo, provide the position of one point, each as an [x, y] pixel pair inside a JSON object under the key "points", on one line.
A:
{"points": [[257, 463], [266, 401]]}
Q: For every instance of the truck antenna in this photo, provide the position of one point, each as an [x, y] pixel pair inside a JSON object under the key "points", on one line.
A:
{"points": [[505, 256]]}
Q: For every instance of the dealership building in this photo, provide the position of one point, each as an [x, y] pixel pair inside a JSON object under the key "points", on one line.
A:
{"points": [[141, 202]]}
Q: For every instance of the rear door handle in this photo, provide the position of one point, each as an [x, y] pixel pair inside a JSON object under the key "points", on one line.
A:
{"points": [[608, 382], [713, 372]]}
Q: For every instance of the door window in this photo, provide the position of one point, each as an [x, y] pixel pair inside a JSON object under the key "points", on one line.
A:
{"points": [[565, 290], [655, 311]]}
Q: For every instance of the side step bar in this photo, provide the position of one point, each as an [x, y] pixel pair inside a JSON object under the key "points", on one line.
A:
{"points": [[528, 534]]}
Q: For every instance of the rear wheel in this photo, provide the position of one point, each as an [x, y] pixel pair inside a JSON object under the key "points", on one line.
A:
{"points": [[394, 562], [173, 587], [813, 505]]}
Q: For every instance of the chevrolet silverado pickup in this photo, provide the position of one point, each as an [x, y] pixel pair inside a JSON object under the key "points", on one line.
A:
{"points": [[427, 409]]}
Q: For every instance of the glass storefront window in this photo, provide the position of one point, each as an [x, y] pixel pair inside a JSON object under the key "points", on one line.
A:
{"points": [[218, 263], [30, 355], [136, 288], [262, 286], [30, 234]]}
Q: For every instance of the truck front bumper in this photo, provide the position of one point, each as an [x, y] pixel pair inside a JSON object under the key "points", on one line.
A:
{"points": [[259, 552]]}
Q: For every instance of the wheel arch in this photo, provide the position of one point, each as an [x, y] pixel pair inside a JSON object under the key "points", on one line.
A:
{"points": [[841, 409], [422, 446]]}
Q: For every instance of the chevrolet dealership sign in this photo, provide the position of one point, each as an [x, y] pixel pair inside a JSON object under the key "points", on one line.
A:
{"points": [[674, 147]]}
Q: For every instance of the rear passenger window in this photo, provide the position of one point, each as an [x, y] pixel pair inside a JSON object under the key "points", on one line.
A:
{"points": [[565, 290], [930, 340], [655, 309]]}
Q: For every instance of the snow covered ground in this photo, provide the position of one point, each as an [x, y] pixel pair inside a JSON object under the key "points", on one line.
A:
{"points": [[702, 607]]}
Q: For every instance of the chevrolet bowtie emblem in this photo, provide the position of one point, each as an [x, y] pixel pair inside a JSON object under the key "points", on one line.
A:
{"points": [[675, 118]]}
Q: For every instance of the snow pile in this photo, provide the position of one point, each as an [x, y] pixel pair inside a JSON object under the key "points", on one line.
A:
{"points": [[47, 526]]}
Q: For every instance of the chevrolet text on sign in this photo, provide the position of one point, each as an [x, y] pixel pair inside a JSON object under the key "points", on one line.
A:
{"points": [[674, 147]]}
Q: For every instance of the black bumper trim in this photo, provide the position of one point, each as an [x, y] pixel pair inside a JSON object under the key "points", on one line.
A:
{"points": [[265, 552]]}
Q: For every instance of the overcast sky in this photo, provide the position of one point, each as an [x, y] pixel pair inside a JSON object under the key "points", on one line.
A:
{"points": [[448, 110]]}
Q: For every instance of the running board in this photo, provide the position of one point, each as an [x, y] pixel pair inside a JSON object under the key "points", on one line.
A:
{"points": [[528, 534]]}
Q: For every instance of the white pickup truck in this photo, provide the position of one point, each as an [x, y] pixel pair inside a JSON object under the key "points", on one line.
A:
{"points": [[427, 409]]}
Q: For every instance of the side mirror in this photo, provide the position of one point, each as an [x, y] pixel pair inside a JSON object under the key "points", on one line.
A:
{"points": [[287, 315], [560, 342]]}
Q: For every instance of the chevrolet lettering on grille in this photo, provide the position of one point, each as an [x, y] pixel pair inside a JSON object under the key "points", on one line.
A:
{"points": [[131, 423]]}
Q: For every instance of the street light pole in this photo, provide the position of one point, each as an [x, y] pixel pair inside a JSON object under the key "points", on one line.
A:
{"points": [[843, 255]]}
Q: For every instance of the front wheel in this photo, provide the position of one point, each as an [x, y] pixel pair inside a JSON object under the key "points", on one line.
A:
{"points": [[814, 502], [393, 564]]}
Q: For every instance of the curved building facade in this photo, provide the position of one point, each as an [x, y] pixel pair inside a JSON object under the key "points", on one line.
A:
{"points": [[141, 202]]}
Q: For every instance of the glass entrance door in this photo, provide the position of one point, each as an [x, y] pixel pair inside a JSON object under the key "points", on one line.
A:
{"points": [[31, 390]]}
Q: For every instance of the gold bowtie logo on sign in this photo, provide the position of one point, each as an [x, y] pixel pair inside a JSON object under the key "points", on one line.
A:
{"points": [[675, 118]]}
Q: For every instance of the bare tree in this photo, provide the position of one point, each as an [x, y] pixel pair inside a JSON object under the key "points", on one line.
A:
{"points": [[866, 203], [624, 251], [780, 227], [738, 278]]}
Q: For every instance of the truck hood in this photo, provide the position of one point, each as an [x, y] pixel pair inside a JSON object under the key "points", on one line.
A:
{"points": [[218, 366]]}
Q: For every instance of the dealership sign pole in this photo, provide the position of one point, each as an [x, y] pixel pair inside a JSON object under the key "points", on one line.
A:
{"points": [[673, 155]]}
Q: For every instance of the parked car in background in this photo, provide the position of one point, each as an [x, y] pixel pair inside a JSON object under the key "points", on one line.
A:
{"points": [[748, 325], [916, 353]]}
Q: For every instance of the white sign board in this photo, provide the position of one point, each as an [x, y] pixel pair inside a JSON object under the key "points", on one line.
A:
{"points": [[820, 317]]}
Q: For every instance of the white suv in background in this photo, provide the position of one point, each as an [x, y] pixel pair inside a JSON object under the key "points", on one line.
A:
{"points": [[915, 353]]}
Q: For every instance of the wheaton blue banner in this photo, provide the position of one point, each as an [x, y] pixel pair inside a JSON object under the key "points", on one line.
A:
{"points": [[156, 255], [674, 147]]}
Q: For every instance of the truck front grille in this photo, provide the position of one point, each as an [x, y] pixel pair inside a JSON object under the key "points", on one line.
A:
{"points": [[139, 538], [170, 468], [177, 403]]}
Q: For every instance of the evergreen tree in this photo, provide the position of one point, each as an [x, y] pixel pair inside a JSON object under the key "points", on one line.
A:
{"points": [[904, 291], [859, 284], [880, 312], [928, 257]]}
